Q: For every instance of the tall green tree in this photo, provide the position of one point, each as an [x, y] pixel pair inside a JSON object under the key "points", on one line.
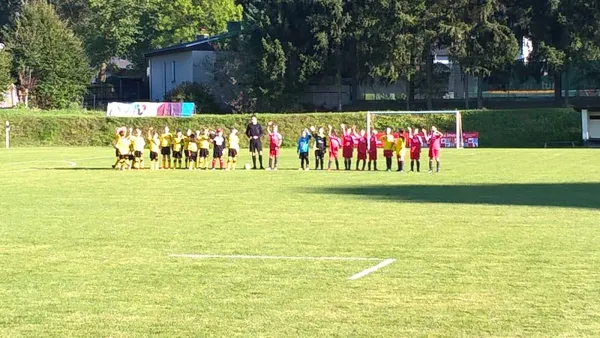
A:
{"points": [[5, 70], [482, 42], [564, 33], [48, 57]]}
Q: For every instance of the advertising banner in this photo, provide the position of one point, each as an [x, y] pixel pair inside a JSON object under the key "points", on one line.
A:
{"points": [[470, 140], [150, 109]]}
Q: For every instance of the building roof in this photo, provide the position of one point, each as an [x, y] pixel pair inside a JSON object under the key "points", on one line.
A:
{"points": [[203, 44]]}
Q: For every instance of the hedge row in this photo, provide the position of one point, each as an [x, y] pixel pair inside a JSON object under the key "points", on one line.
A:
{"points": [[497, 128]]}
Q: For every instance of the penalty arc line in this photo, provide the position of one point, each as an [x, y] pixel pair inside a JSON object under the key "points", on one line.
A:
{"points": [[382, 262]]}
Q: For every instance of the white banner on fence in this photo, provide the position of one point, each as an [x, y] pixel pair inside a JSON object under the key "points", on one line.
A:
{"points": [[140, 109]]}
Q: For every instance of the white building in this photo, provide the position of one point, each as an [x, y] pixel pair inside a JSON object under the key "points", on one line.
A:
{"points": [[174, 65]]}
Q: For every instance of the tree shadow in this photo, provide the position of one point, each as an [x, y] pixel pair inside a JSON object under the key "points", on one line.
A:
{"points": [[566, 195]]}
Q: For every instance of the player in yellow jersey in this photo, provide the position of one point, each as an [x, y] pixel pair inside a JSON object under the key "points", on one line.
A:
{"points": [[204, 145], [192, 150], [116, 139], [400, 150], [154, 140], [122, 147], [131, 159], [177, 149], [138, 143], [234, 148], [388, 147], [166, 140], [186, 153]]}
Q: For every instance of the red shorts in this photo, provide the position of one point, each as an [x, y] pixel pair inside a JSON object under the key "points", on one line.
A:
{"points": [[333, 153], [434, 153], [415, 153], [362, 156], [274, 152], [348, 152], [373, 155], [388, 153]]}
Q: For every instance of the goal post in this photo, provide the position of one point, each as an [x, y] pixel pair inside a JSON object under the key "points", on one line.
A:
{"points": [[456, 113]]}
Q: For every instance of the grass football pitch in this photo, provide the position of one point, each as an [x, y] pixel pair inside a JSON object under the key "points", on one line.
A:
{"points": [[501, 243]]}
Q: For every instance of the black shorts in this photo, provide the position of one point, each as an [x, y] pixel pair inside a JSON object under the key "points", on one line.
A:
{"points": [[303, 156], [138, 154], [131, 157], [165, 151], [217, 152], [232, 153], [187, 153], [153, 156], [203, 153], [177, 154], [193, 156], [124, 157], [255, 145], [319, 153]]}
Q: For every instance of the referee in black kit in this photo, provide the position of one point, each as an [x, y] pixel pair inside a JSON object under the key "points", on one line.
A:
{"points": [[254, 132]]}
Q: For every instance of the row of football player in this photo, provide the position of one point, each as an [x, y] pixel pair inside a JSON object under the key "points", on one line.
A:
{"points": [[195, 148]]}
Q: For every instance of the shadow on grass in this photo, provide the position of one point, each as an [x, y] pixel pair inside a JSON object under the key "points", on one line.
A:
{"points": [[567, 195]]}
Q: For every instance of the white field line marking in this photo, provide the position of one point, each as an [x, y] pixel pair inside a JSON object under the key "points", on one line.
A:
{"points": [[372, 269], [382, 263], [279, 257], [71, 163]]}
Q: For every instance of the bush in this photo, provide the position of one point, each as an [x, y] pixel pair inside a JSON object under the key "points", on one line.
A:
{"points": [[193, 92], [497, 128]]}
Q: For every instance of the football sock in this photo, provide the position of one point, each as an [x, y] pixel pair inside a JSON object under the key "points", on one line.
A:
{"points": [[437, 165], [260, 159], [370, 165], [307, 162], [349, 164], [388, 163], [254, 161], [302, 163], [187, 162], [214, 162], [221, 164], [337, 164], [430, 165], [375, 165], [399, 166], [364, 164], [418, 166], [357, 164], [322, 162], [329, 165], [412, 165], [270, 162], [276, 162]]}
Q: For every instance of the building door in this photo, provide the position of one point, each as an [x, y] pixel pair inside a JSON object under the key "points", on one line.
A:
{"points": [[594, 126]]}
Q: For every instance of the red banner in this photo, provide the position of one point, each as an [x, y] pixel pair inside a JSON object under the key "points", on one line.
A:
{"points": [[470, 140]]}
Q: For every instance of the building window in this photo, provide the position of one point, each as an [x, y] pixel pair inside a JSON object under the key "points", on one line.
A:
{"points": [[173, 71]]}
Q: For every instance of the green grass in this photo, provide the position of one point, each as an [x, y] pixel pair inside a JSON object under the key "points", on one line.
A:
{"points": [[501, 243]]}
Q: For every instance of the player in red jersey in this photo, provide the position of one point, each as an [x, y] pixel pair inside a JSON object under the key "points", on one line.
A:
{"points": [[362, 149], [415, 141], [435, 145], [334, 147], [349, 135], [275, 140], [373, 150]]}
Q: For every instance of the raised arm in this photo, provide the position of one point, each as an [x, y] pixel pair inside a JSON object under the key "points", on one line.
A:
{"points": [[330, 129]]}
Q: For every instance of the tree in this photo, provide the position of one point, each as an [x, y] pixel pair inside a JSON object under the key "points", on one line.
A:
{"points": [[5, 70], [563, 32], [48, 57], [482, 43]]}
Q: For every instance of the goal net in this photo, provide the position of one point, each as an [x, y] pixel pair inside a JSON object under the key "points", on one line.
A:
{"points": [[439, 118]]}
